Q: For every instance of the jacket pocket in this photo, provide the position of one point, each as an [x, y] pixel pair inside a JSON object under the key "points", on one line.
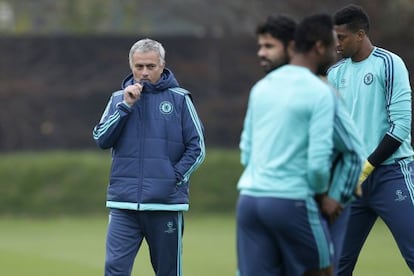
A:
{"points": [[159, 181]]}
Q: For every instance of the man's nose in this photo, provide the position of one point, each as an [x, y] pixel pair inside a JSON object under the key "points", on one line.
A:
{"points": [[145, 71], [338, 43], [260, 52]]}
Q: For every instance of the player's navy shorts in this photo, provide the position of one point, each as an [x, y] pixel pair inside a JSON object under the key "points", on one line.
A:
{"points": [[278, 236]]}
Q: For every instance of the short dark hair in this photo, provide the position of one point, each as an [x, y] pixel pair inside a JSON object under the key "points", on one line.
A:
{"points": [[354, 17], [280, 27], [318, 27]]}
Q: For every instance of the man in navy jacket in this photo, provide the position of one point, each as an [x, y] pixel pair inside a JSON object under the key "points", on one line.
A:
{"points": [[157, 141]]}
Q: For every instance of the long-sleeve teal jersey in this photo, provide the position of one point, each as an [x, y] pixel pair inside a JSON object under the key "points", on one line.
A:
{"points": [[286, 142], [377, 94]]}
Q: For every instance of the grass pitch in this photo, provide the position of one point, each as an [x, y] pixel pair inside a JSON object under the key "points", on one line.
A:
{"points": [[75, 246]]}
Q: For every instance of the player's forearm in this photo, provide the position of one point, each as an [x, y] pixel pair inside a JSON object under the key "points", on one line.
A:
{"points": [[385, 149]]}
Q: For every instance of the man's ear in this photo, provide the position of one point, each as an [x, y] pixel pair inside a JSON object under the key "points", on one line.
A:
{"points": [[320, 48], [291, 48], [360, 34], [162, 65]]}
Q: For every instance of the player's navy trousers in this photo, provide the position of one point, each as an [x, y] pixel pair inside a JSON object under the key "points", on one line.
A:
{"points": [[388, 193], [278, 236], [163, 232]]}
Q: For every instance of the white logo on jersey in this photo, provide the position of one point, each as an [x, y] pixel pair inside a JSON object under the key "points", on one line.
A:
{"points": [[368, 78]]}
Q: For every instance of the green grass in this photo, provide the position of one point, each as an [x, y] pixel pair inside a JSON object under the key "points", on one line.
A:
{"points": [[75, 182], [75, 246]]}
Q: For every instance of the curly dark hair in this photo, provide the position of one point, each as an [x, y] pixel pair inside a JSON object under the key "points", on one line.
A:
{"points": [[354, 17], [280, 27]]}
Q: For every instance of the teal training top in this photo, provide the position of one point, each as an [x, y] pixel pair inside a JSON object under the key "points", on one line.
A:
{"points": [[348, 155], [377, 94], [286, 142]]}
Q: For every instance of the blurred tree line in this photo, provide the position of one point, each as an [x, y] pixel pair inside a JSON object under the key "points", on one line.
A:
{"points": [[174, 17], [61, 59]]}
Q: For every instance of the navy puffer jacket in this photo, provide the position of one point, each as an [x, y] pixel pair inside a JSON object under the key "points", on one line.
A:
{"points": [[156, 144]]}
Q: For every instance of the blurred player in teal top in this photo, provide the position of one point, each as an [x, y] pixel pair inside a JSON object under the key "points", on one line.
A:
{"points": [[375, 85], [275, 37], [286, 148]]}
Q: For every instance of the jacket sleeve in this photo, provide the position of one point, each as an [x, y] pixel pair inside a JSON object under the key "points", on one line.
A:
{"points": [[348, 156], [193, 135], [107, 131]]}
